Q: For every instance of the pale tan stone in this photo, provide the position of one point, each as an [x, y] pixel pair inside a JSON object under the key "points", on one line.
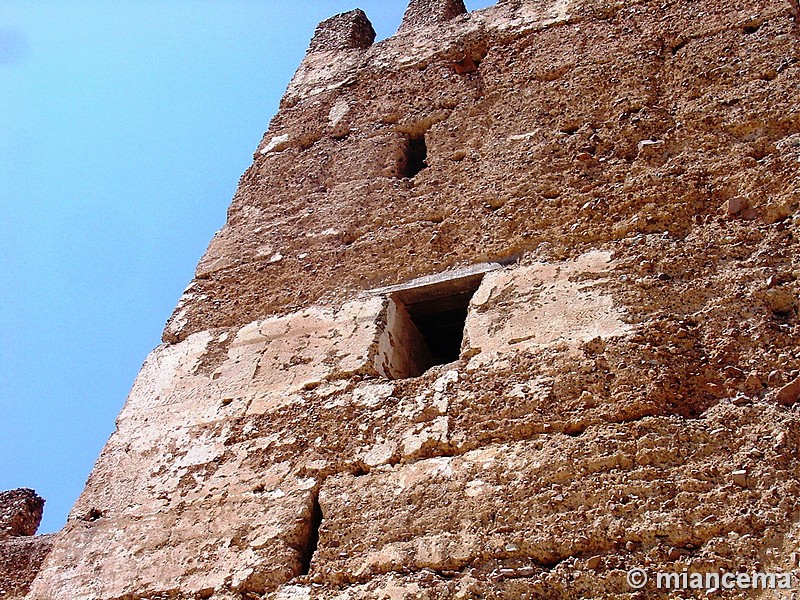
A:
{"points": [[578, 154]]}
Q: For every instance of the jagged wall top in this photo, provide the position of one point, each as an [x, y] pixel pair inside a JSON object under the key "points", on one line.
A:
{"points": [[346, 31], [334, 130], [421, 13], [20, 512], [558, 132]]}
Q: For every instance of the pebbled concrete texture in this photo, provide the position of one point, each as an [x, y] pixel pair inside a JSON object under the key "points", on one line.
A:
{"points": [[210, 481], [619, 181], [21, 551]]}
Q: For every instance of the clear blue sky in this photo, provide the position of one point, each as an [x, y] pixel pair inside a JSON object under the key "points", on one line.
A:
{"points": [[124, 128]]}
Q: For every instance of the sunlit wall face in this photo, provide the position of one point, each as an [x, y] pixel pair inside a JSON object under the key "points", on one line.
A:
{"points": [[124, 128]]}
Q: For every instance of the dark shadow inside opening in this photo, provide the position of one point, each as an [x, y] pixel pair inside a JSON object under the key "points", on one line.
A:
{"points": [[416, 155], [441, 323], [313, 537]]}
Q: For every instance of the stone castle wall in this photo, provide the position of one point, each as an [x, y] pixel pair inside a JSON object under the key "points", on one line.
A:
{"points": [[20, 512], [21, 554], [596, 203]]}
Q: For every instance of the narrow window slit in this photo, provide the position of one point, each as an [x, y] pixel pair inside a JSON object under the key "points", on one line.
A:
{"points": [[416, 155]]}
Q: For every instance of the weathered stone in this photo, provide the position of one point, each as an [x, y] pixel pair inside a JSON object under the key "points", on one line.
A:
{"points": [[594, 562], [21, 554], [780, 300], [740, 477], [789, 394], [773, 213], [651, 149], [753, 383], [20, 512], [422, 13], [347, 31], [300, 436], [736, 205], [20, 561], [547, 303]]}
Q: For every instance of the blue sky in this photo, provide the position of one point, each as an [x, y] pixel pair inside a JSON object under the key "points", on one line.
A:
{"points": [[124, 128]]}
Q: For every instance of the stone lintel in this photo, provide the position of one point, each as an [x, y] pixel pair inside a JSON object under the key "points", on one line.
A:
{"points": [[432, 286]]}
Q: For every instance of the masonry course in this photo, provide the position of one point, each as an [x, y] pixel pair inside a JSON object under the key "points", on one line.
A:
{"points": [[618, 184]]}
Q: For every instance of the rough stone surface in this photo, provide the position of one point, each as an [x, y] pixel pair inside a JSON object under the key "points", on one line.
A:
{"points": [[347, 31], [556, 81], [21, 554], [20, 512], [625, 392], [20, 560], [790, 393], [422, 13]]}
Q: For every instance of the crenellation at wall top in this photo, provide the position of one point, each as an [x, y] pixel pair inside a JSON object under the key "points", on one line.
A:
{"points": [[422, 13], [20, 512], [346, 31]]}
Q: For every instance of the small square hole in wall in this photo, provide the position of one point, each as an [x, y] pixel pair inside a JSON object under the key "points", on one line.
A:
{"points": [[441, 323], [426, 325]]}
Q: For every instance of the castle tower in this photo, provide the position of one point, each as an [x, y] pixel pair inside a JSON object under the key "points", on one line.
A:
{"points": [[504, 307]]}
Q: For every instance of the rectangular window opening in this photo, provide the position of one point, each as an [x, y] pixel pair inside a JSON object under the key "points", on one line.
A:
{"points": [[416, 155], [441, 322], [427, 325]]}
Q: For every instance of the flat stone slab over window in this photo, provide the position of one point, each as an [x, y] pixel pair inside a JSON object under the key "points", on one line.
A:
{"points": [[425, 320]]}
